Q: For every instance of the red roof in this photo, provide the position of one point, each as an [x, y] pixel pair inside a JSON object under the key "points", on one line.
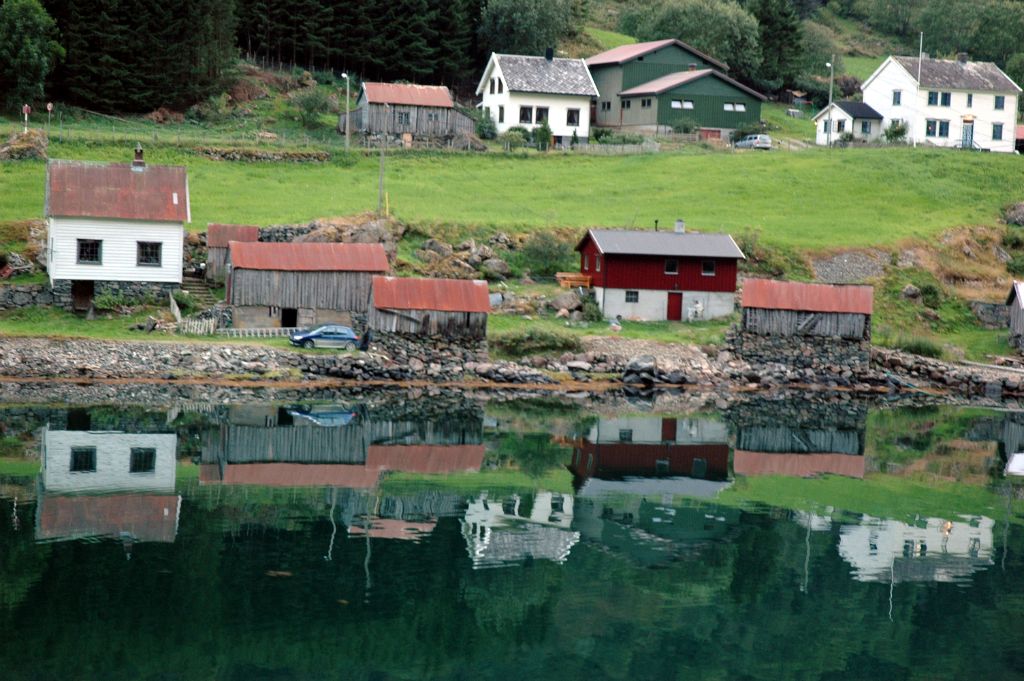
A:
{"points": [[218, 235], [447, 295], [308, 257], [425, 458], [791, 295], [146, 517], [797, 465], [393, 528], [624, 53], [94, 190], [404, 93], [294, 475]]}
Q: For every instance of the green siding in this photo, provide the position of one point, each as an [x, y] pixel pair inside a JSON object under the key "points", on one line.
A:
{"points": [[709, 96], [667, 60]]}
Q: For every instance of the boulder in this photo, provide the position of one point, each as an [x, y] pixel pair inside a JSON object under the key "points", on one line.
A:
{"points": [[911, 292], [495, 268], [1015, 214], [439, 247], [642, 364], [569, 300]]}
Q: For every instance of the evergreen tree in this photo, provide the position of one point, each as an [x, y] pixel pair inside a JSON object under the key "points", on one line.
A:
{"points": [[781, 46], [28, 51]]}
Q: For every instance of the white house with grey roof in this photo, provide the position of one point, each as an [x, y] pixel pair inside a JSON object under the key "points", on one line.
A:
{"points": [[846, 117], [654, 276], [525, 91], [946, 102]]}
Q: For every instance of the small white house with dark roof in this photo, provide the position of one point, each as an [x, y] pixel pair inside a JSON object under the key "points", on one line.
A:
{"points": [[946, 102], [525, 91], [856, 118], [655, 276]]}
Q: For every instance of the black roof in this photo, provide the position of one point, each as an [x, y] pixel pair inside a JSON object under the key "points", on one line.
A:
{"points": [[859, 110]]}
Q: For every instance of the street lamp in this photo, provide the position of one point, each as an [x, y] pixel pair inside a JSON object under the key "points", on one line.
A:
{"points": [[831, 78], [347, 113]]}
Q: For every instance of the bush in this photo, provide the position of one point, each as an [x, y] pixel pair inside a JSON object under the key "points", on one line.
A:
{"points": [[186, 303], [685, 125], [485, 127], [598, 135], [931, 296], [847, 85], [918, 345], [845, 139], [110, 301], [513, 139], [896, 133], [606, 136], [535, 341], [591, 310], [542, 136], [544, 254], [311, 102], [1013, 239], [1016, 265], [211, 110]]}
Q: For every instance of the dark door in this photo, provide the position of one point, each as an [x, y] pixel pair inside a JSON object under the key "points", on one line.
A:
{"points": [[675, 306], [668, 430], [967, 141], [81, 295], [289, 317]]}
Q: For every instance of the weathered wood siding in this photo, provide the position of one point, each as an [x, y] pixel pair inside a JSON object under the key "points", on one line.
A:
{"points": [[295, 444], [1016, 324], [794, 323], [423, 121], [429, 322], [216, 264], [348, 291], [786, 440]]}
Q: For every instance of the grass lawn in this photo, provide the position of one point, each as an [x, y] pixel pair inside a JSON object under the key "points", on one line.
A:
{"points": [[609, 39], [783, 126], [861, 67], [886, 194], [700, 333]]}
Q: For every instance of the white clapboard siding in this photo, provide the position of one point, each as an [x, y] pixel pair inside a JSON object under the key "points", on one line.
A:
{"points": [[113, 458], [120, 250]]}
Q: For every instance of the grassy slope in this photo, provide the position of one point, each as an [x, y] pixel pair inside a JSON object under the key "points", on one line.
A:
{"points": [[609, 39], [809, 200]]}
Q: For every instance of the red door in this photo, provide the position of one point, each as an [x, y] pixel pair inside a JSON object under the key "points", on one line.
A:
{"points": [[675, 306]]}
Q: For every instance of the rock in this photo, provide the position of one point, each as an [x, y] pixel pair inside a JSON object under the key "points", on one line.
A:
{"points": [[911, 292], [1015, 214], [495, 268], [562, 314], [643, 363], [569, 300], [930, 314], [22, 146], [439, 247], [577, 365]]}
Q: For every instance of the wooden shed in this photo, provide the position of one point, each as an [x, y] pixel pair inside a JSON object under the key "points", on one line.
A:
{"points": [[396, 108], [300, 284], [217, 238], [430, 307], [787, 308], [1015, 307]]}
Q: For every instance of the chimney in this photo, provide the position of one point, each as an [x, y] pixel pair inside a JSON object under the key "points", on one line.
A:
{"points": [[693, 66], [549, 53], [961, 57], [138, 164], [680, 226]]}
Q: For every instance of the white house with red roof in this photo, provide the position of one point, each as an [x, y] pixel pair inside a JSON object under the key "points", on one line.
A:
{"points": [[114, 228]]}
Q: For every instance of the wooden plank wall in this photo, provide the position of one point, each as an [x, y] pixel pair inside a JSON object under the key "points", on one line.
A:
{"points": [[216, 264], [1016, 324], [290, 444], [429, 322], [349, 291], [424, 121], [794, 323], [785, 440]]}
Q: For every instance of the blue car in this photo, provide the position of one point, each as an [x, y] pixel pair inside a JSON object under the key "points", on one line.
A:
{"points": [[326, 336]]}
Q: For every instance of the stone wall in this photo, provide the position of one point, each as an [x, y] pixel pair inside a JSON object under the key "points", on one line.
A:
{"points": [[283, 233], [131, 290], [24, 295], [820, 355]]}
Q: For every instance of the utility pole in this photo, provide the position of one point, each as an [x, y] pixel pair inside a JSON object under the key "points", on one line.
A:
{"points": [[831, 78], [917, 94], [348, 114], [380, 177]]}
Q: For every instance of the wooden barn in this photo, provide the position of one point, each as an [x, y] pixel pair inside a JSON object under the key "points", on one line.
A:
{"points": [[452, 308], [218, 236], [787, 308], [290, 285], [422, 111], [1015, 306]]}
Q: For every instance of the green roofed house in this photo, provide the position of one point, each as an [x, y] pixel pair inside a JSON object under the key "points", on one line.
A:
{"points": [[649, 87]]}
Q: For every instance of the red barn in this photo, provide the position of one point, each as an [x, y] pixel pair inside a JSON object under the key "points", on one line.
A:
{"points": [[661, 275]]}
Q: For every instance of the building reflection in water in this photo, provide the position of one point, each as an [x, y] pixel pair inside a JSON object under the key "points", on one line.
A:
{"points": [[509, 531]]}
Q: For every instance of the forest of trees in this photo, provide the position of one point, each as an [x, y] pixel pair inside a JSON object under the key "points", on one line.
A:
{"points": [[137, 55]]}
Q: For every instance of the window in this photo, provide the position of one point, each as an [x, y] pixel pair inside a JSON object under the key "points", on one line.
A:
{"points": [[707, 268], [897, 97], [501, 114], [632, 296], [740, 106], [526, 114], [687, 103], [402, 117], [626, 103], [542, 114], [586, 262], [625, 435], [148, 253], [1000, 102], [841, 126], [824, 126], [933, 99], [492, 86], [90, 252], [645, 103], [930, 127], [865, 127], [606, 106], [597, 263], [997, 131], [729, 106], [946, 98], [943, 128], [970, 100], [572, 117], [501, 86], [83, 459], [434, 117], [671, 266], [677, 104], [143, 460]]}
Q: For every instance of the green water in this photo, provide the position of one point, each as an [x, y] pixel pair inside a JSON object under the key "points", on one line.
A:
{"points": [[404, 540]]}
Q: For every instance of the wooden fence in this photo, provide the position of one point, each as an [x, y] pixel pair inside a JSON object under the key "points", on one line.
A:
{"points": [[269, 332], [197, 327]]}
